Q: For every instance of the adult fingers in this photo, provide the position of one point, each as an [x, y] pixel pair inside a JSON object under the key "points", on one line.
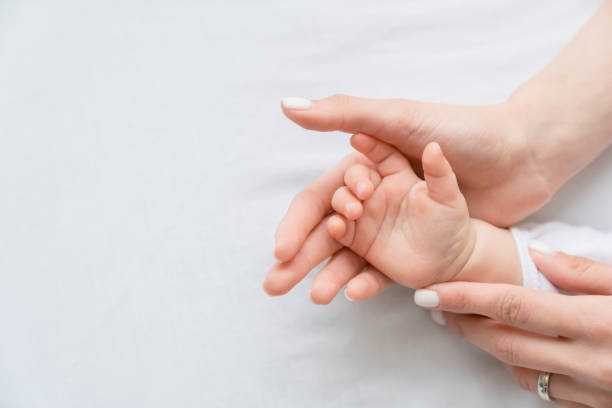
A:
{"points": [[514, 346], [564, 388], [541, 312], [285, 275], [308, 209], [344, 265], [362, 180], [572, 273], [408, 125], [350, 114], [367, 284]]}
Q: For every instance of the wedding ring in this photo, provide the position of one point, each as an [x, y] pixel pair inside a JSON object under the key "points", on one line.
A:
{"points": [[543, 380]]}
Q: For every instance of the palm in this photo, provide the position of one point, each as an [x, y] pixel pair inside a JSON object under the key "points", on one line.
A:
{"points": [[401, 220]]}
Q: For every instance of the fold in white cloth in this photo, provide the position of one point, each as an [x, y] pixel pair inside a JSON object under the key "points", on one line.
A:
{"points": [[574, 240]]}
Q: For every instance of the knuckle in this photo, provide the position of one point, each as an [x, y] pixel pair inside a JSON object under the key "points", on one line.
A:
{"points": [[523, 380], [594, 321], [506, 349], [460, 301], [580, 265], [342, 103], [603, 373], [512, 309]]}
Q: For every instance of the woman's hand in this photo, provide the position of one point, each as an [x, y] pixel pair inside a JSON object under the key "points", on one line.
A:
{"points": [[509, 158], [534, 332], [489, 147], [303, 232], [486, 146]]}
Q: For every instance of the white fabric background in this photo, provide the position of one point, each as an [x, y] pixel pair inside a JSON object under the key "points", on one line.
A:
{"points": [[144, 164]]}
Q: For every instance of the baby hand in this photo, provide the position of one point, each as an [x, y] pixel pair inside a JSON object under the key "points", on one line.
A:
{"points": [[417, 232]]}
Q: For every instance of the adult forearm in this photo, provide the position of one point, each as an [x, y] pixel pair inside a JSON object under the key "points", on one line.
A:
{"points": [[566, 109]]}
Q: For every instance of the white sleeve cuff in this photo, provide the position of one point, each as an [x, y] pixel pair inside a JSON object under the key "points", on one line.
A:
{"points": [[532, 278]]}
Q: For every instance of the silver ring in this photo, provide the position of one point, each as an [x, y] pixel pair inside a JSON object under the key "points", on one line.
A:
{"points": [[543, 380]]}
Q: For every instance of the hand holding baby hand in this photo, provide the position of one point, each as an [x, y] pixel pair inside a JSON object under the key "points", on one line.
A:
{"points": [[416, 231]]}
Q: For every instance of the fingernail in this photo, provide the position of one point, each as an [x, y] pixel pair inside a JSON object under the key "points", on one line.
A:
{"points": [[351, 208], [347, 296], [294, 102], [541, 247], [362, 187], [438, 317], [426, 298]]}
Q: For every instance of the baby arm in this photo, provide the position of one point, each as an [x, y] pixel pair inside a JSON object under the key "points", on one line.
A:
{"points": [[495, 258], [417, 232]]}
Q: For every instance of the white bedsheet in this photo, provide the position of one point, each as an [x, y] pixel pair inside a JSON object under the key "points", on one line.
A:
{"points": [[144, 164]]}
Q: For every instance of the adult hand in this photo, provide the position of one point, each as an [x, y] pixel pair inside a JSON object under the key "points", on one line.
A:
{"points": [[534, 332], [509, 158], [304, 230], [496, 168]]}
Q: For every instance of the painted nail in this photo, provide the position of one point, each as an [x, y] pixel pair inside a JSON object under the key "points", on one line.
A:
{"points": [[347, 296], [541, 247], [426, 298], [294, 102], [438, 317]]}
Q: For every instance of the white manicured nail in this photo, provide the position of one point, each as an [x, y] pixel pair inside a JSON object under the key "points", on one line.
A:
{"points": [[541, 247], [426, 298], [294, 102], [347, 296], [438, 317]]}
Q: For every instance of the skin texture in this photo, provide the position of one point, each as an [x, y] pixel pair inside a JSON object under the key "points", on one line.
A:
{"points": [[490, 162], [393, 226], [416, 231], [533, 332], [509, 158]]}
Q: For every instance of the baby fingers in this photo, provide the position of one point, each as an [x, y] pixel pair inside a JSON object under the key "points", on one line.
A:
{"points": [[441, 180], [387, 158], [341, 229], [345, 203], [361, 180]]}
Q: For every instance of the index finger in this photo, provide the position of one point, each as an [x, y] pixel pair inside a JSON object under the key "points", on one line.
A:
{"points": [[308, 208], [572, 273], [536, 311]]}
